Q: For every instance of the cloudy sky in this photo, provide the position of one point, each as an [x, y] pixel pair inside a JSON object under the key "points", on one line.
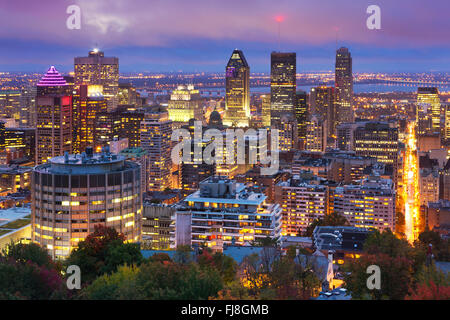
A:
{"points": [[199, 35]]}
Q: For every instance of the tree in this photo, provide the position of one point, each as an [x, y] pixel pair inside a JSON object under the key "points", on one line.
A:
{"points": [[440, 247], [225, 265], [396, 277], [102, 252], [431, 284], [32, 252], [120, 285], [174, 281]]}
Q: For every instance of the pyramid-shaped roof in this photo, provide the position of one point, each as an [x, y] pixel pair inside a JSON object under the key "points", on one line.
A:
{"points": [[52, 79]]}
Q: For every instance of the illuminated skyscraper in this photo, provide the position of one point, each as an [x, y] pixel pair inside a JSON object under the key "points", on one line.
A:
{"points": [[321, 101], [301, 114], [54, 117], [428, 110], [184, 104], [344, 86], [88, 102], [283, 68], [96, 69], [316, 134], [265, 110], [156, 130], [237, 85]]}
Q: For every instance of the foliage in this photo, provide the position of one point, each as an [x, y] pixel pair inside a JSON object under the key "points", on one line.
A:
{"points": [[27, 272], [103, 251]]}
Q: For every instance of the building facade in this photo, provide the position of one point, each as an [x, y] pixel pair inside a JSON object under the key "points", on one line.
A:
{"points": [[73, 193]]}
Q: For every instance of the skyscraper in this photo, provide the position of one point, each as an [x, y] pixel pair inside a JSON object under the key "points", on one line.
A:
{"points": [[428, 108], [283, 68], [156, 129], [301, 114], [237, 85], [99, 70], [321, 101], [88, 102], [344, 86], [184, 104], [54, 117]]}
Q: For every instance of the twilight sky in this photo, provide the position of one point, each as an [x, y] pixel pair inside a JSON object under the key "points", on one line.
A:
{"points": [[199, 35]]}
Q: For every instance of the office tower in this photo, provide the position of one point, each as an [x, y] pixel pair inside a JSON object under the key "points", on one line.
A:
{"points": [[20, 139], [130, 127], [287, 132], [344, 86], [28, 108], [348, 168], [378, 140], [370, 204], [127, 95], [428, 185], [428, 108], [446, 133], [192, 173], [54, 117], [139, 155], [283, 84], [96, 69], [345, 139], [156, 130], [301, 114], [237, 86], [107, 128], [303, 200], [10, 101], [224, 212], [88, 102], [321, 101], [265, 110], [93, 189], [316, 134], [185, 103]]}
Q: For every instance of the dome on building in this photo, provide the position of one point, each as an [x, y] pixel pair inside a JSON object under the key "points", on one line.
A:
{"points": [[215, 119]]}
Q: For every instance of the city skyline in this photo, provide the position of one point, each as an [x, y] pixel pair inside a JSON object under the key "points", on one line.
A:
{"points": [[195, 41]]}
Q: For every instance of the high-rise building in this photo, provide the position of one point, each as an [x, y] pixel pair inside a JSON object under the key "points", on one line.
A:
{"points": [[237, 86], [127, 95], [265, 110], [130, 127], [370, 204], [91, 189], [321, 101], [303, 199], [107, 128], [10, 101], [378, 140], [225, 212], [428, 110], [54, 117], [156, 130], [184, 104], [316, 134], [344, 86], [287, 132], [283, 84], [20, 139], [28, 107], [301, 114], [88, 102], [96, 69]]}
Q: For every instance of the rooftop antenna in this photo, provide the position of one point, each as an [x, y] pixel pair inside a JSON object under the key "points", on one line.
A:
{"points": [[279, 19], [336, 29]]}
